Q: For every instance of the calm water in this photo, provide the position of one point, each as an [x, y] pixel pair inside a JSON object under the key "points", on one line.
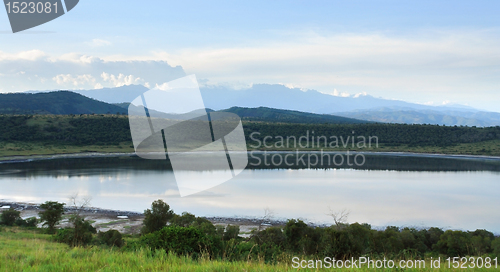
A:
{"points": [[387, 190]]}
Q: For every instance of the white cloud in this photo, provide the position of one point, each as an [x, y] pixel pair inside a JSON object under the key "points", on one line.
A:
{"points": [[341, 94], [121, 79], [360, 94], [74, 81], [36, 70], [429, 65], [31, 55], [99, 43]]}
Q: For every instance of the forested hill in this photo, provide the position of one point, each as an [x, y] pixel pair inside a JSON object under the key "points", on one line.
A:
{"points": [[65, 102], [288, 116], [114, 129], [61, 102]]}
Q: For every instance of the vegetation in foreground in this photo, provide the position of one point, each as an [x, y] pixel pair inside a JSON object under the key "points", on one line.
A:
{"points": [[175, 242], [62, 134]]}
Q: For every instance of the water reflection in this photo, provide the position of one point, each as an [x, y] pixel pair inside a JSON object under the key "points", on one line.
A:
{"points": [[450, 193]]}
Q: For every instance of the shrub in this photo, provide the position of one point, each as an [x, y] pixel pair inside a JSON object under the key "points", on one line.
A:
{"points": [[180, 240], [29, 222], [495, 246], [10, 216], [294, 231], [454, 243], [156, 218], [231, 232], [111, 238], [271, 235], [79, 235]]}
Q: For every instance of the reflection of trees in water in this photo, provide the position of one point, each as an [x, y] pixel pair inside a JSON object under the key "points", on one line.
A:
{"points": [[114, 165]]}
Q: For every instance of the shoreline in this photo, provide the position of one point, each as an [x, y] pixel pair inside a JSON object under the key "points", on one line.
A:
{"points": [[83, 155], [107, 216]]}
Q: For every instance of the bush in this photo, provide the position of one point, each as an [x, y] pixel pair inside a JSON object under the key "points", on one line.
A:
{"points": [[495, 246], [111, 238], [271, 235], [28, 223], [10, 216], [79, 235], [231, 232], [294, 231], [454, 243], [180, 240], [156, 218]]}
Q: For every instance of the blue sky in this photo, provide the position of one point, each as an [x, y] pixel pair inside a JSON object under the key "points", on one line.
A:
{"points": [[420, 51]]}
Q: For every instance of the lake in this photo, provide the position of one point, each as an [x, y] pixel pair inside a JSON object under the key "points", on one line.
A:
{"points": [[389, 189]]}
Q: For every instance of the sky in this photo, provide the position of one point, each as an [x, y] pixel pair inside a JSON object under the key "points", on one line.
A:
{"points": [[428, 52]]}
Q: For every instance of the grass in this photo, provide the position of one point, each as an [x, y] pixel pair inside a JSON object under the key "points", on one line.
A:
{"points": [[486, 148], [33, 149], [28, 250]]}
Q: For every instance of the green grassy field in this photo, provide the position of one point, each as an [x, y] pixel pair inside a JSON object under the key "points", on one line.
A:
{"points": [[28, 250]]}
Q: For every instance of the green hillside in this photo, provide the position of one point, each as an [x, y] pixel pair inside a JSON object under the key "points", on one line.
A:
{"points": [[288, 116], [50, 134], [60, 102]]}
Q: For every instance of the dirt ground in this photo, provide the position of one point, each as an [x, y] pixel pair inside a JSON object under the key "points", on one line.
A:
{"points": [[131, 222]]}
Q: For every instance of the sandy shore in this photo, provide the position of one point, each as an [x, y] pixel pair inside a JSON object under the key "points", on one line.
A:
{"points": [[131, 222]]}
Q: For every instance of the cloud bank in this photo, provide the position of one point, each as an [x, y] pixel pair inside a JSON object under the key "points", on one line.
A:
{"points": [[36, 70]]}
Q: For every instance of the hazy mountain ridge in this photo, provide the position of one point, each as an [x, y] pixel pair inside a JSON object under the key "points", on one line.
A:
{"points": [[270, 96], [364, 107], [415, 116], [59, 102]]}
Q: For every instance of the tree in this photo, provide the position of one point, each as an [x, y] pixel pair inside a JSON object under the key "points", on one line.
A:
{"points": [[10, 216], [52, 214], [79, 235], [267, 218], [157, 217], [111, 238], [81, 232], [339, 218], [231, 232]]}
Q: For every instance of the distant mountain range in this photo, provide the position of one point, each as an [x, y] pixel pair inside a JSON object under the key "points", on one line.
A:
{"points": [[364, 107], [65, 102], [270, 96], [416, 116]]}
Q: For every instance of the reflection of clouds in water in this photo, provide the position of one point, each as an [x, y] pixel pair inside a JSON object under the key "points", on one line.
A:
{"points": [[458, 199], [62, 177]]}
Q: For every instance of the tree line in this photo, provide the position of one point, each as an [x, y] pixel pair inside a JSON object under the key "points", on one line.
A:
{"points": [[189, 235], [114, 129]]}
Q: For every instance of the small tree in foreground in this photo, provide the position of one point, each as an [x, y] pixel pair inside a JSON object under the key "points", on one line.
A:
{"points": [[10, 216], [52, 214], [157, 217], [79, 235]]}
